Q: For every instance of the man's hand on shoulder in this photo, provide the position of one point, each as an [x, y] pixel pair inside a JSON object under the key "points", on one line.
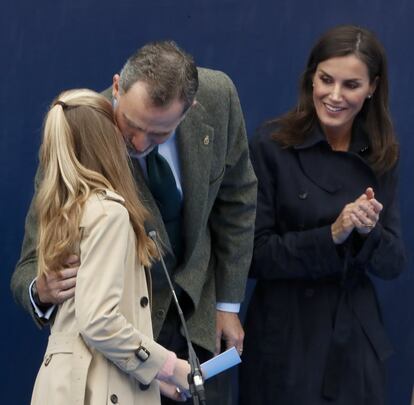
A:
{"points": [[58, 286]]}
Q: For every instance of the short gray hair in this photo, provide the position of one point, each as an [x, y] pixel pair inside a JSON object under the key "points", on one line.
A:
{"points": [[167, 70]]}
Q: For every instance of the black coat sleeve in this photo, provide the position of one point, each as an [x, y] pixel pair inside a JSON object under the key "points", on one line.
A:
{"points": [[382, 252]]}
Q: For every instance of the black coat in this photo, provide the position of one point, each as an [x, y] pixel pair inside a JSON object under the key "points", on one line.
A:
{"points": [[314, 333]]}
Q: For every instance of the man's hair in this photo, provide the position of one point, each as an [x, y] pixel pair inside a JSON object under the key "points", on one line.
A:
{"points": [[167, 70]]}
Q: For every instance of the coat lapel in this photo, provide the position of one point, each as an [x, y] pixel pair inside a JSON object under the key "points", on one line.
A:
{"points": [[195, 137], [314, 159], [326, 168]]}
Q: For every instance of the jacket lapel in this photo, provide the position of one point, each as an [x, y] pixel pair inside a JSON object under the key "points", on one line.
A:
{"points": [[326, 168], [315, 161], [195, 137]]}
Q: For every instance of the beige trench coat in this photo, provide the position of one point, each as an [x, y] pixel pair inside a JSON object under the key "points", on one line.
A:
{"points": [[91, 354]]}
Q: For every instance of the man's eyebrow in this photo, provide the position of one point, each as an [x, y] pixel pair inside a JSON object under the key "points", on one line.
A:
{"points": [[131, 123]]}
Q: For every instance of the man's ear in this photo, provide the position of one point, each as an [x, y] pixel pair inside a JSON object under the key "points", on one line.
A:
{"points": [[115, 85]]}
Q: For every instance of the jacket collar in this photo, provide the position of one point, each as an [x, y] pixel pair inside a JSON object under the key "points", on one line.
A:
{"points": [[314, 137], [359, 140], [325, 167]]}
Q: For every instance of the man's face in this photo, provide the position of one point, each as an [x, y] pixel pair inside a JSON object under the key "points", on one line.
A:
{"points": [[142, 125]]}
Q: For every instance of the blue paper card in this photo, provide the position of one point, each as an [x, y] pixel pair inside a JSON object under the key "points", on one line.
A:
{"points": [[220, 363]]}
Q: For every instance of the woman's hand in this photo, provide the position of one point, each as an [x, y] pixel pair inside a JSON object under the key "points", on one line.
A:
{"points": [[366, 214], [180, 376], [175, 382], [344, 225], [172, 391], [362, 215]]}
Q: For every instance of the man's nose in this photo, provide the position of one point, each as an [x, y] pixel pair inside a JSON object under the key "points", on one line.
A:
{"points": [[140, 140]]}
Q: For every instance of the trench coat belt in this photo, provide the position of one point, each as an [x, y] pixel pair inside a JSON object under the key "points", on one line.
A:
{"points": [[73, 343], [346, 314]]}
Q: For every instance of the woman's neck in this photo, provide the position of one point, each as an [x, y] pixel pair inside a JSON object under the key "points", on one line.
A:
{"points": [[338, 139]]}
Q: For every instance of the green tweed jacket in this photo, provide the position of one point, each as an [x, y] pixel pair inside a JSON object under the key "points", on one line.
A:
{"points": [[219, 202]]}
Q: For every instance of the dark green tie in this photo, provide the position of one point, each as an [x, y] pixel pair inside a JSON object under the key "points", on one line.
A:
{"points": [[163, 187]]}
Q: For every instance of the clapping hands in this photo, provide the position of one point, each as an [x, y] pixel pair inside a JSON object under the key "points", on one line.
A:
{"points": [[362, 215]]}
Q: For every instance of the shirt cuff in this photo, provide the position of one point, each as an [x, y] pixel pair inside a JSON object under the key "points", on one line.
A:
{"points": [[41, 314], [228, 307]]}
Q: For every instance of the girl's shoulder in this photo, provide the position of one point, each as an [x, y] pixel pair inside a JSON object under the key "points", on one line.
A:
{"points": [[103, 203]]}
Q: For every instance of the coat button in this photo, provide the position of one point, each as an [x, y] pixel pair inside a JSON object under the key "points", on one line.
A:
{"points": [[160, 313], [206, 140], [143, 386], [303, 195], [144, 302], [114, 399], [309, 292]]}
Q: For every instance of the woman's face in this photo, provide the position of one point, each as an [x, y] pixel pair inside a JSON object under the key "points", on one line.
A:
{"points": [[340, 87]]}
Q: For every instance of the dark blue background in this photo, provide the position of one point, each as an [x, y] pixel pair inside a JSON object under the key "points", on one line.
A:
{"points": [[47, 46]]}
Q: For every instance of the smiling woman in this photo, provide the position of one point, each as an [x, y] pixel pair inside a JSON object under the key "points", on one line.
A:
{"points": [[340, 88], [327, 220]]}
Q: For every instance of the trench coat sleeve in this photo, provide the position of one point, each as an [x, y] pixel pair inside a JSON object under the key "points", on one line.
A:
{"points": [[382, 252], [233, 214], [305, 254], [99, 288], [26, 268]]}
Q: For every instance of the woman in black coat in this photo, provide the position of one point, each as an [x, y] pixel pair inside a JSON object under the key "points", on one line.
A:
{"points": [[327, 220]]}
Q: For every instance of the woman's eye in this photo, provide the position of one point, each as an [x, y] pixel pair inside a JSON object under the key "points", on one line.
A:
{"points": [[352, 85], [326, 79]]}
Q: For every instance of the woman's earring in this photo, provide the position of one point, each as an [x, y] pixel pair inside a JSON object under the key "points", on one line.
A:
{"points": [[369, 96]]}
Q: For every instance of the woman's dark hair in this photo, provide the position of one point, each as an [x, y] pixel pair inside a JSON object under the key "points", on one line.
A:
{"points": [[294, 126]]}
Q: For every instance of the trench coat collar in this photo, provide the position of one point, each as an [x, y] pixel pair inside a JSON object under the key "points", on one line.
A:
{"points": [[326, 167], [359, 140]]}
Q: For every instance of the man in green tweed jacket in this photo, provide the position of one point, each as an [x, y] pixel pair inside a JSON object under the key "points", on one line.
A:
{"points": [[193, 116]]}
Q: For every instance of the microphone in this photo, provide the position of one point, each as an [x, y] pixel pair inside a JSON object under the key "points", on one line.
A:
{"points": [[195, 378]]}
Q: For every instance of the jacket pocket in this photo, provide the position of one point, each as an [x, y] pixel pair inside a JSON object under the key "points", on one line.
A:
{"points": [[63, 374]]}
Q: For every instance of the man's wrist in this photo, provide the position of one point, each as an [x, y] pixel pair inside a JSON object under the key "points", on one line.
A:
{"points": [[42, 311], [36, 299], [228, 307]]}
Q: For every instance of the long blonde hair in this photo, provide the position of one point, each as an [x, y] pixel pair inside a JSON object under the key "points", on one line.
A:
{"points": [[82, 152]]}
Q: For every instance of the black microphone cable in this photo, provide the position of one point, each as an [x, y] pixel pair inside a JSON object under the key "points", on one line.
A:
{"points": [[195, 378]]}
